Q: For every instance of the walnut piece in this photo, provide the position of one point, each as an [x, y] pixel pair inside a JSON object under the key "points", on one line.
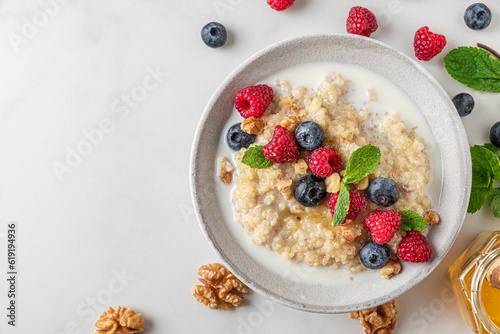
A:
{"points": [[371, 95], [286, 103], [218, 286], [350, 233], [120, 320], [285, 188], [378, 320], [301, 167], [253, 126], [225, 172], [290, 123], [391, 268], [431, 217], [333, 183], [362, 184]]}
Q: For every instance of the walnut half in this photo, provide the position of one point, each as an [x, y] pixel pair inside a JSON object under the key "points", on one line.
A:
{"points": [[390, 269], [120, 320], [431, 217], [253, 126], [378, 320], [218, 284]]}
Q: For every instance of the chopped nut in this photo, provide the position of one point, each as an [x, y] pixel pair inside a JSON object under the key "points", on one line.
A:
{"points": [[301, 167], [342, 172], [362, 184], [295, 107], [285, 187], [120, 320], [333, 183], [431, 217], [225, 172], [391, 268], [371, 95], [301, 113], [253, 126], [350, 233], [298, 209], [290, 123], [378, 320], [218, 286], [285, 103]]}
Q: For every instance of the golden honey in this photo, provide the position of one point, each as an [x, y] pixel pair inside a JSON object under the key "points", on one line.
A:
{"points": [[479, 301]]}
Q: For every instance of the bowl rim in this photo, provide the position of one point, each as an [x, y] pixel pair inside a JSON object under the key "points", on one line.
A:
{"points": [[465, 157]]}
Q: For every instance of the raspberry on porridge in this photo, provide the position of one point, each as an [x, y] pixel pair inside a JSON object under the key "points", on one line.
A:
{"points": [[306, 234]]}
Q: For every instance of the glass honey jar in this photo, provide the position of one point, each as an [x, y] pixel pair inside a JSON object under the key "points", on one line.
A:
{"points": [[476, 280]]}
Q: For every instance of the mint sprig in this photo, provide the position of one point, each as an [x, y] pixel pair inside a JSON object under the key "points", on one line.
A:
{"points": [[485, 171], [494, 202], [486, 160], [342, 206], [360, 164], [254, 158], [474, 67], [412, 221]]}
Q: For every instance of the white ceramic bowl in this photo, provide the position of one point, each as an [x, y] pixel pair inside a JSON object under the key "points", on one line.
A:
{"points": [[418, 84]]}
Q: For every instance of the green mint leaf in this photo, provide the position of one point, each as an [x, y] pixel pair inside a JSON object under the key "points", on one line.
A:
{"points": [[253, 157], [494, 202], [493, 149], [474, 67], [412, 221], [482, 185], [485, 159], [361, 163], [342, 206]]}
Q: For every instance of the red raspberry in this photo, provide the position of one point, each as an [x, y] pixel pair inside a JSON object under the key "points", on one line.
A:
{"points": [[414, 248], [280, 5], [358, 204], [383, 225], [253, 100], [361, 21], [428, 44], [282, 147], [324, 161]]}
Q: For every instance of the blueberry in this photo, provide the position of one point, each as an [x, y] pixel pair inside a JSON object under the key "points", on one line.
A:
{"points": [[477, 16], [214, 35], [309, 136], [310, 190], [374, 256], [464, 103], [495, 134], [383, 192], [237, 138]]}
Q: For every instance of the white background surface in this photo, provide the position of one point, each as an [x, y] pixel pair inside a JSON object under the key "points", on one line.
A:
{"points": [[117, 227]]}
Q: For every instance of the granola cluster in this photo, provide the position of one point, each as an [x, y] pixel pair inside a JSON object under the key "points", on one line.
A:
{"points": [[218, 284]]}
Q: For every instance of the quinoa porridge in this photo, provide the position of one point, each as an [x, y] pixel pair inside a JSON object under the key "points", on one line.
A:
{"points": [[263, 199]]}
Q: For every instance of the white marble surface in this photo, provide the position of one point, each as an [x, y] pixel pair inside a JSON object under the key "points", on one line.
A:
{"points": [[116, 226]]}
